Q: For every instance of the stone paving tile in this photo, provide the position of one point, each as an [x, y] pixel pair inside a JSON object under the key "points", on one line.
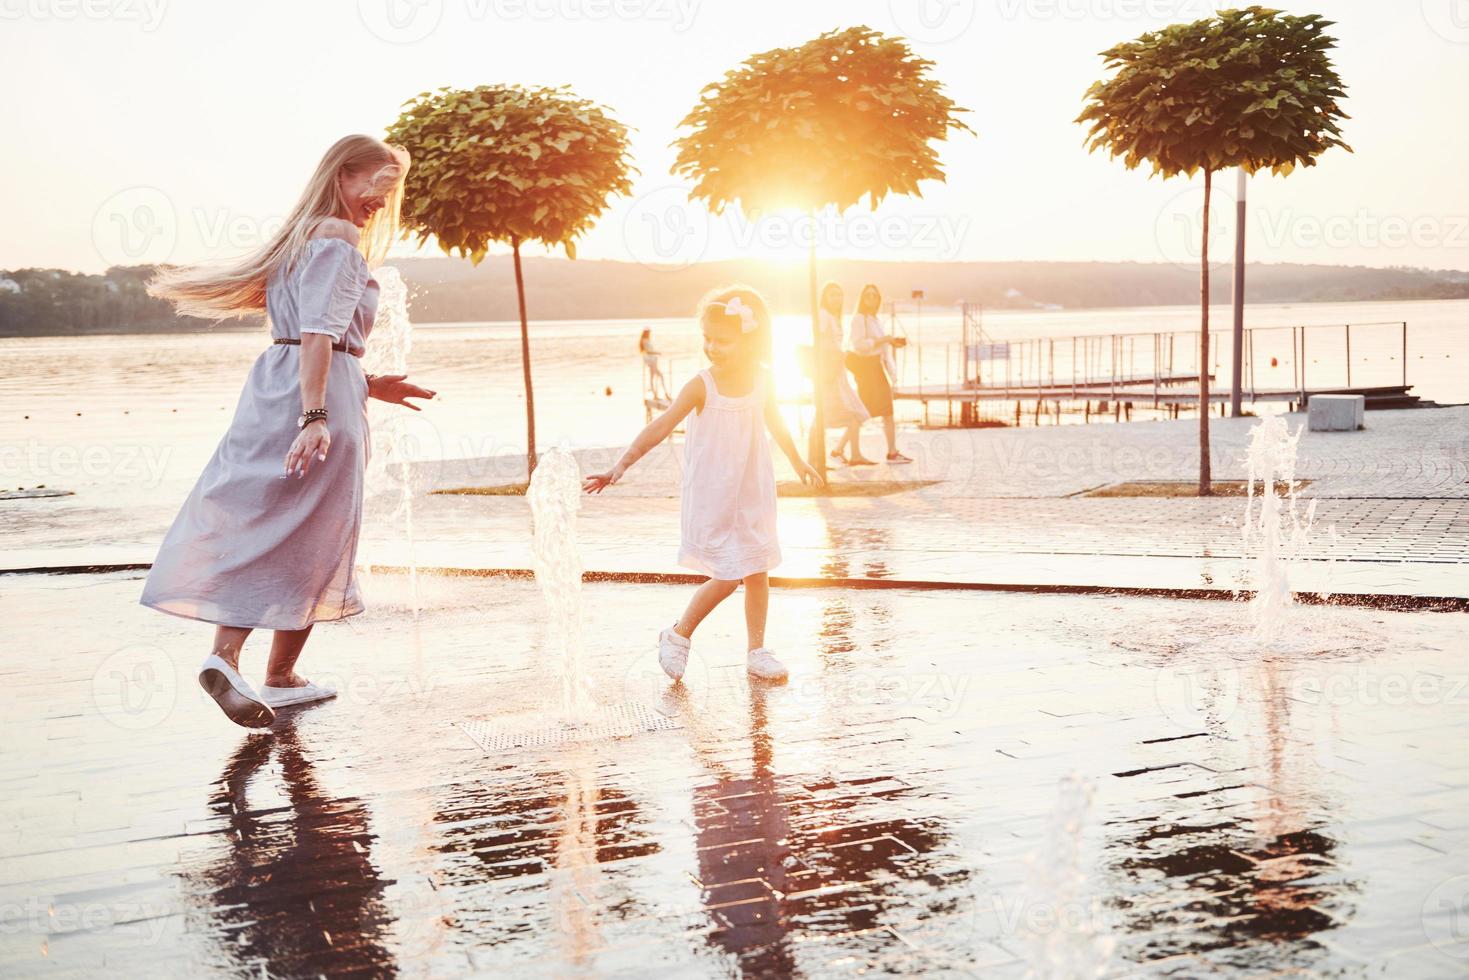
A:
{"points": [[950, 785]]}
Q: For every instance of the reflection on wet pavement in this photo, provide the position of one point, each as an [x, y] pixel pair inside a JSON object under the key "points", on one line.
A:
{"points": [[951, 784]]}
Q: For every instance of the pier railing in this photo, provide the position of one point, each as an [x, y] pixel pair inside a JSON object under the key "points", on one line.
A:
{"points": [[1277, 362]]}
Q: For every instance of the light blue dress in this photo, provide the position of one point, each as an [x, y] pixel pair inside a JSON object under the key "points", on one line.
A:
{"points": [[255, 547]]}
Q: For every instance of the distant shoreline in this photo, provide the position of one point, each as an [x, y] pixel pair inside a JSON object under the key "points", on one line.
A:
{"points": [[1217, 323]]}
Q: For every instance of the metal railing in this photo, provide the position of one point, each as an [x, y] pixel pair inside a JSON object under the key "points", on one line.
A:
{"points": [[1277, 361]]}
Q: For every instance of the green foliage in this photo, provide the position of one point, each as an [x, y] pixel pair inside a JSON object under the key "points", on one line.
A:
{"points": [[504, 163], [848, 114], [1247, 88]]}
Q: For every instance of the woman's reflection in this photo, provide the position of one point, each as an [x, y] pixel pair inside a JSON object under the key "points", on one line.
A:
{"points": [[296, 892]]}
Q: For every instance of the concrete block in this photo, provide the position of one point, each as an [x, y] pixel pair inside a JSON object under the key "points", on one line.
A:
{"points": [[1335, 413]]}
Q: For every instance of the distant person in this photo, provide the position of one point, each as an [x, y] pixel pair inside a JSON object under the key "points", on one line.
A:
{"points": [[268, 537], [841, 408], [728, 523], [650, 361], [871, 363]]}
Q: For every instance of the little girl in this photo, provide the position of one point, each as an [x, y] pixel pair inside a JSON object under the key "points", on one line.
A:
{"points": [[728, 480]]}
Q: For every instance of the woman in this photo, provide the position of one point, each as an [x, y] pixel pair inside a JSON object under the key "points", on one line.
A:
{"points": [[871, 363], [841, 408], [650, 363], [258, 545]]}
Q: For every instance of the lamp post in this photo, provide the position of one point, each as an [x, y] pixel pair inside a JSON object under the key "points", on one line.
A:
{"points": [[1236, 367]]}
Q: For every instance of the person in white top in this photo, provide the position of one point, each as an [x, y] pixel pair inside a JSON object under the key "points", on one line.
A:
{"points": [[728, 509], [871, 362], [840, 406], [655, 377]]}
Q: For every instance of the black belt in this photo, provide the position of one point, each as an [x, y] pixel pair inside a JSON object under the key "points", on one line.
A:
{"points": [[340, 345]]}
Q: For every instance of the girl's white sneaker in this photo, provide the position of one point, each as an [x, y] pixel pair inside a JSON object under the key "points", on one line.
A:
{"points": [[285, 697], [234, 695], [761, 663], [673, 653]]}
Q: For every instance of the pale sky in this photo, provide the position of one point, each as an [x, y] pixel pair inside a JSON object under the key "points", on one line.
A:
{"points": [[175, 130]]}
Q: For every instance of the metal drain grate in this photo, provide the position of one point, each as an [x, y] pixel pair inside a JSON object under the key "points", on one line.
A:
{"points": [[621, 719]]}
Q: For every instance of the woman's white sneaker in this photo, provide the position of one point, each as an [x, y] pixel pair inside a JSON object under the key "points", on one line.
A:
{"points": [[234, 695], [673, 653], [761, 663], [285, 697]]}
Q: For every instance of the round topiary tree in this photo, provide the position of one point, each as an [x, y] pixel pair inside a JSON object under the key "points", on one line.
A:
{"points": [[1250, 88], [847, 115], [508, 164]]}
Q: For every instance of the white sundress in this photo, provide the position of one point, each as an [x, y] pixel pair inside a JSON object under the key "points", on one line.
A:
{"points": [[728, 506]]}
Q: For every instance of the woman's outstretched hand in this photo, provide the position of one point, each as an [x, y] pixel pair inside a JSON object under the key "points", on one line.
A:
{"points": [[311, 443], [597, 482], [808, 474], [395, 388]]}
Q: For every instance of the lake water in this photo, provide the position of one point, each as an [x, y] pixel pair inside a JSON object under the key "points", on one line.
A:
{"points": [[142, 413]]}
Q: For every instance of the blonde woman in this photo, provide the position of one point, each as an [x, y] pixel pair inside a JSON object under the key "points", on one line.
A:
{"points": [[268, 537]]}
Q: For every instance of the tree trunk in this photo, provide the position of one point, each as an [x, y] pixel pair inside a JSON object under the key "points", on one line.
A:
{"points": [[816, 444], [530, 397], [1205, 480]]}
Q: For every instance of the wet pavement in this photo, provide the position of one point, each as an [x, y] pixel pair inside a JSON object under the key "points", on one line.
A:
{"points": [[985, 507], [952, 784]]}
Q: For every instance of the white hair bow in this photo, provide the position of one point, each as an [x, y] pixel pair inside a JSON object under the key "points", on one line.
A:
{"points": [[735, 307]]}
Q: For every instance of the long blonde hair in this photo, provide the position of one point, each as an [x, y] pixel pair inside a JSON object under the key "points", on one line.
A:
{"points": [[236, 288]]}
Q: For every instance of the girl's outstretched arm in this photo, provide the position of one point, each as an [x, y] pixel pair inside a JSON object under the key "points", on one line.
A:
{"points": [[690, 397], [782, 436]]}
